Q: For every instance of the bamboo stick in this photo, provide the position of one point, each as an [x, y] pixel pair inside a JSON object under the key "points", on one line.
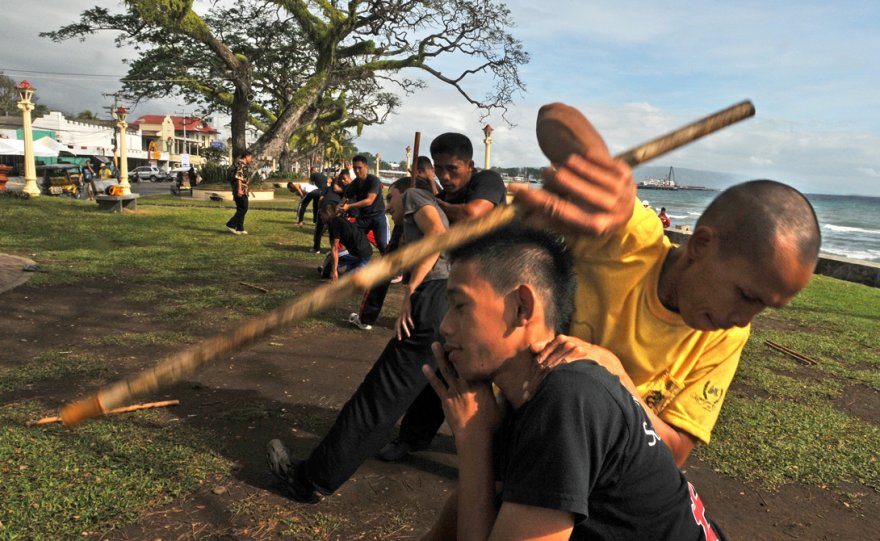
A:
{"points": [[177, 366]]}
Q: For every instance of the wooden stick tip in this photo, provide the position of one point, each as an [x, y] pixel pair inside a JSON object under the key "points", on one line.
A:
{"points": [[76, 412]]}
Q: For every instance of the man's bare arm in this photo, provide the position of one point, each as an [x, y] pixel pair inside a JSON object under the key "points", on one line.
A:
{"points": [[466, 211]]}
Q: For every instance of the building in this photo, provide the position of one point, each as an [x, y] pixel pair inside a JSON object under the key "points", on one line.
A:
{"points": [[181, 138]]}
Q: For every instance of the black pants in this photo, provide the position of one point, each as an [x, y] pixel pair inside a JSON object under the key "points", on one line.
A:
{"points": [[374, 298], [378, 224], [365, 423], [423, 419], [241, 208], [319, 231], [313, 197]]}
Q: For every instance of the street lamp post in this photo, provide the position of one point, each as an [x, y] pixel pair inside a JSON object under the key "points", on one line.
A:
{"points": [[378, 163], [26, 92], [121, 115], [487, 131], [408, 160]]}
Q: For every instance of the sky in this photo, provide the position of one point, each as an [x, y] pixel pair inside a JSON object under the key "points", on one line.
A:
{"points": [[636, 68]]}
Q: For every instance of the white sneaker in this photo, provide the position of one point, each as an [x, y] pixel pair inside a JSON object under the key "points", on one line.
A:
{"points": [[356, 321], [242, 233], [231, 230]]}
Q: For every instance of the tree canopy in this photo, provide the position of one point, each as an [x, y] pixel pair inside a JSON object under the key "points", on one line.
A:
{"points": [[285, 66]]}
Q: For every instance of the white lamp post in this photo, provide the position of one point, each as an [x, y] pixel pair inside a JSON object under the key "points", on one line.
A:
{"points": [[121, 115], [26, 92], [487, 131], [409, 160]]}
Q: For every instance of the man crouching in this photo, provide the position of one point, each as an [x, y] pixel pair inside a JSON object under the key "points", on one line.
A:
{"points": [[578, 457]]}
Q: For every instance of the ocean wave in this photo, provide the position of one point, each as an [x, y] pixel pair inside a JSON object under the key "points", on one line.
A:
{"points": [[678, 216], [691, 213], [847, 229], [864, 255]]}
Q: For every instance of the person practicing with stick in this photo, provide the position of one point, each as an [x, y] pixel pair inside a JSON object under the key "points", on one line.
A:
{"points": [[466, 194], [675, 317], [310, 192], [240, 192], [342, 231], [374, 298], [366, 191], [366, 420], [578, 457]]}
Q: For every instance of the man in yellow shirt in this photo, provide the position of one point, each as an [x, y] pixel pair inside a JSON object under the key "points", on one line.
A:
{"points": [[675, 318]]}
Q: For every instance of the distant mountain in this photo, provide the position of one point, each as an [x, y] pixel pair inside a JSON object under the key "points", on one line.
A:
{"points": [[687, 177]]}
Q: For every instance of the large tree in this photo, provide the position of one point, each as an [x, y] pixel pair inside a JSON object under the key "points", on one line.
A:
{"points": [[281, 65]]}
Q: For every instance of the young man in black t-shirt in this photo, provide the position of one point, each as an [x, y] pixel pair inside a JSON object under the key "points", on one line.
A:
{"points": [[366, 192], [345, 232], [577, 458], [466, 194]]}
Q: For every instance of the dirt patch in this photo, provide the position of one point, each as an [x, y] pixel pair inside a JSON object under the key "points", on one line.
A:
{"points": [[860, 401], [291, 385]]}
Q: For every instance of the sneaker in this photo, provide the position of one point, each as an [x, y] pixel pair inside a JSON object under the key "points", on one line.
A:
{"points": [[287, 471], [356, 321], [232, 230], [398, 450], [242, 232], [397, 279], [317, 252]]}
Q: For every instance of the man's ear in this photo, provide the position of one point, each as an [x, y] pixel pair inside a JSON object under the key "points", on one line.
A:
{"points": [[525, 305], [701, 242]]}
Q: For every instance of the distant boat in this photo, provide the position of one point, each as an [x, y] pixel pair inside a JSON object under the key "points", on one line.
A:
{"points": [[667, 183]]}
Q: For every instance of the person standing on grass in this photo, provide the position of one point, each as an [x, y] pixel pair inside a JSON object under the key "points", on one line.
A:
{"points": [[366, 420], [466, 194], [366, 192], [241, 175]]}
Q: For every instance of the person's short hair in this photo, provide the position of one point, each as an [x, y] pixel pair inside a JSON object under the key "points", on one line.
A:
{"points": [[749, 217], [290, 186], [423, 163], [244, 154], [405, 183], [359, 158], [454, 144], [517, 254], [662, 209], [331, 205]]}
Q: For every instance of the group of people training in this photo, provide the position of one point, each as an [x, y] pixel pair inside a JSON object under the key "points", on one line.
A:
{"points": [[612, 350]]}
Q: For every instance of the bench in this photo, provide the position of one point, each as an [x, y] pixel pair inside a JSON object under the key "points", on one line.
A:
{"points": [[116, 203]]}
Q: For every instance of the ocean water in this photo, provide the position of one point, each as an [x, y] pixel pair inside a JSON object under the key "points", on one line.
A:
{"points": [[850, 225]]}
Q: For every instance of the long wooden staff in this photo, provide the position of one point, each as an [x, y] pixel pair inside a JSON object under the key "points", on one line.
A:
{"points": [[414, 168], [175, 367]]}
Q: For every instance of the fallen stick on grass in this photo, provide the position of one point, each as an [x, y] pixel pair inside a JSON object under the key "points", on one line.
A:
{"points": [[263, 289], [126, 409]]}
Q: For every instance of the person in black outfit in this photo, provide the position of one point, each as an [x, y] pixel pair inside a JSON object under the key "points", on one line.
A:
{"points": [[466, 194], [341, 230], [365, 191], [333, 193], [578, 458], [193, 177], [366, 420], [240, 191], [319, 180]]}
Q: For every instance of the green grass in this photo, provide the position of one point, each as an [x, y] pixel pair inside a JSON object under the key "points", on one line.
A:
{"points": [[785, 424], [174, 264], [61, 484], [172, 260]]}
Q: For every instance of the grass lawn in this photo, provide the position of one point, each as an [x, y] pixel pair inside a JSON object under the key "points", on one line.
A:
{"points": [[782, 422]]}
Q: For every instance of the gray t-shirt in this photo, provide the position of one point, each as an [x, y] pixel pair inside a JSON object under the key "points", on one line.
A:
{"points": [[413, 200]]}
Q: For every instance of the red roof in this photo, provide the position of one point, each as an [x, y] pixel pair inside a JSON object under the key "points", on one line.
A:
{"points": [[193, 123]]}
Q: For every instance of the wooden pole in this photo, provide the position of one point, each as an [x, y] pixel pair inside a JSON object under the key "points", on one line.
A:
{"points": [[174, 368], [415, 157]]}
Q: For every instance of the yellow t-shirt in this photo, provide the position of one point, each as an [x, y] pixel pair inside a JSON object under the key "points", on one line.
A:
{"points": [[682, 373]]}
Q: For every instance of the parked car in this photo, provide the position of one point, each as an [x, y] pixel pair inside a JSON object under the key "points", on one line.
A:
{"points": [[146, 172]]}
